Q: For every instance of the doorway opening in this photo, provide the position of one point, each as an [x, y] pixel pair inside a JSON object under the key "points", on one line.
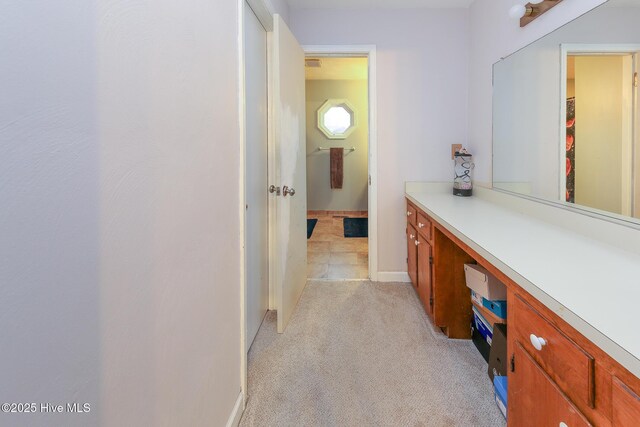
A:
{"points": [[337, 138], [601, 132]]}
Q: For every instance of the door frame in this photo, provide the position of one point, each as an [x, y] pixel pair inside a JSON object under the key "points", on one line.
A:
{"points": [[567, 49], [368, 51], [265, 16]]}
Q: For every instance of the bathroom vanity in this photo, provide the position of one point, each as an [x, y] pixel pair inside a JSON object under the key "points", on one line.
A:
{"points": [[573, 285]]}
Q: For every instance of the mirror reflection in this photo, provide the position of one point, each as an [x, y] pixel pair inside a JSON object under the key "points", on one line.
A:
{"points": [[566, 125]]}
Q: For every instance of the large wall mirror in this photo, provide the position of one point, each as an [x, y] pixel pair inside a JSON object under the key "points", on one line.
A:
{"points": [[566, 115]]}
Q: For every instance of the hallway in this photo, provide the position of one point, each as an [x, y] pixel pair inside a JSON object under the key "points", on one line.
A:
{"points": [[360, 354]]}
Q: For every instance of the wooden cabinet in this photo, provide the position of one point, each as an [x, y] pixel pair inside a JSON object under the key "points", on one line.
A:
{"points": [[411, 214], [626, 405], [436, 268], [425, 264], [452, 299], [558, 377], [596, 386], [412, 255], [535, 400], [423, 226], [562, 359]]}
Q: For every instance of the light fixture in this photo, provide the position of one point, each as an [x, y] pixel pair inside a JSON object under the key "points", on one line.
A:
{"points": [[528, 10], [518, 11]]}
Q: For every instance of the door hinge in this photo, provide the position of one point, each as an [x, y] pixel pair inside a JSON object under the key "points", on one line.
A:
{"points": [[431, 260], [369, 179], [635, 79], [513, 362], [431, 301]]}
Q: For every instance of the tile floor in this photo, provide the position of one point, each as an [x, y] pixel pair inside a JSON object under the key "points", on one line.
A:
{"points": [[330, 255]]}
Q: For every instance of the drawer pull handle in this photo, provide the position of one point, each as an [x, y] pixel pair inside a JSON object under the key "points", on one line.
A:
{"points": [[417, 242], [408, 213], [537, 342], [420, 225]]}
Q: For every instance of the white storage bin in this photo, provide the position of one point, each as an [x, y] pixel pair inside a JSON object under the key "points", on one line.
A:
{"points": [[483, 283]]}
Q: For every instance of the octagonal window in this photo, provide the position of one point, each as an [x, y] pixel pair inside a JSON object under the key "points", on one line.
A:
{"points": [[336, 119]]}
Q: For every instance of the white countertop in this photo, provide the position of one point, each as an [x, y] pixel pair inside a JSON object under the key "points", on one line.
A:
{"points": [[592, 284]]}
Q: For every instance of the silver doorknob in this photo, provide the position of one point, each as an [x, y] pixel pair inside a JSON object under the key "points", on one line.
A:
{"points": [[288, 191], [274, 189]]}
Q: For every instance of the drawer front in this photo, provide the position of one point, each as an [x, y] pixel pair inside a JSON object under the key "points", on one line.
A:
{"points": [[424, 226], [562, 359], [626, 405], [411, 215]]}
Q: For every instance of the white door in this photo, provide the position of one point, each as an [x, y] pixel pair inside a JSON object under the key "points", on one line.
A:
{"points": [[256, 236], [288, 156]]}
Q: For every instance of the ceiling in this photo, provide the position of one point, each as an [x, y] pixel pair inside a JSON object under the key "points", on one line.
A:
{"points": [[338, 69], [377, 4]]}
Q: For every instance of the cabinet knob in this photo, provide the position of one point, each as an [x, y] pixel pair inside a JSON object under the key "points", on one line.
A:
{"points": [[420, 225], [417, 242], [411, 236], [537, 342], [408, 213], [563, 424]]}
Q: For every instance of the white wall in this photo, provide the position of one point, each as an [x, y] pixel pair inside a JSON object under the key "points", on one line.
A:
{"points": [[49, 209], [119, 260], [353, 196], [493, 35], [280, 7], [421, 94]]}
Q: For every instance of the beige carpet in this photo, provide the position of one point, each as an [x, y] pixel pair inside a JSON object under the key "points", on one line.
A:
{"points": [[364, 354]]}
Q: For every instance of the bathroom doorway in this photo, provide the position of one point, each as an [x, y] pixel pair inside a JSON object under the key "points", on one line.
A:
{"points": [[601, 132], [337, 138]]}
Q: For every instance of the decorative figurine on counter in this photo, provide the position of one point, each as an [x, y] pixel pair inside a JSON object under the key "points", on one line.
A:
{"points": [[462, 185]]}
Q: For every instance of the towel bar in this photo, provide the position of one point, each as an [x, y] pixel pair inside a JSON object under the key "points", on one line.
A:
{"points": [[327, 149]]}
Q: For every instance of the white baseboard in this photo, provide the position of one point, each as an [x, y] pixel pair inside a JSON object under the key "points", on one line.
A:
{"points": [[393, 276], [236, 413]]}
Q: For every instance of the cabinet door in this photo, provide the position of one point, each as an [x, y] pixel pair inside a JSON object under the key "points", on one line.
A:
{"points": [[626, 405], [412, 255], [425, 262], [535, 400]]}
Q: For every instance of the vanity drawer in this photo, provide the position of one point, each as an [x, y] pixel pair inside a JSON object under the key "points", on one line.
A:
{"points": [[424, 226], [411, 214], [563, 360]]}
